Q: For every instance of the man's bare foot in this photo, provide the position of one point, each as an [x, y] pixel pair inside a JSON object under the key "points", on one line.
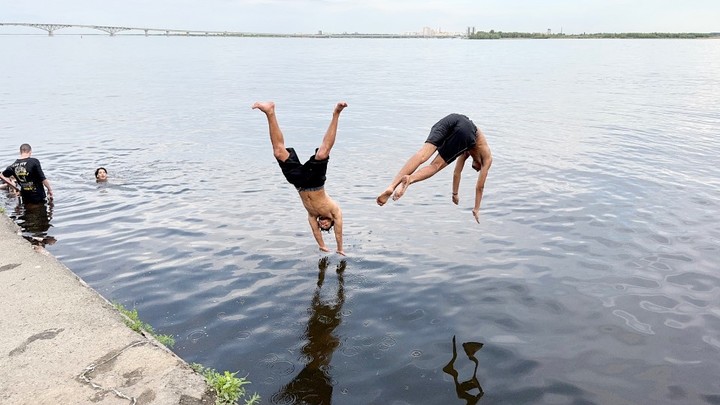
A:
{"points": [[401, 188], [383, 198], [339, 107], [268, 107]]}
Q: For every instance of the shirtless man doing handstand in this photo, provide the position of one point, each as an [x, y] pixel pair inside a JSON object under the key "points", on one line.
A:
{"points": [[309, 177]]}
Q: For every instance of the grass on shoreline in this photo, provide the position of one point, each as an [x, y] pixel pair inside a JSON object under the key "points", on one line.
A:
{"points": [[133, 322], [227, 387]]}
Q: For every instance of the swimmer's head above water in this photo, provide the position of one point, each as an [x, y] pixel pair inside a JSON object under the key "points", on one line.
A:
{"points": [[100, 174]]}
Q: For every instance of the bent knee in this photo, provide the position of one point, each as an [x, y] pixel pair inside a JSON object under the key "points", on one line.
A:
{"points": [[281, 154], [438, 164], [425, 151], [322, 154]]}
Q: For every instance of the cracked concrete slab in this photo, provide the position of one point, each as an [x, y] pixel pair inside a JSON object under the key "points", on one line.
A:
{"points": [[62, 343]]}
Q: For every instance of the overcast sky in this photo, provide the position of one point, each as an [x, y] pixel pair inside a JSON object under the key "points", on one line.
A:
{"points": [[375, 16]]}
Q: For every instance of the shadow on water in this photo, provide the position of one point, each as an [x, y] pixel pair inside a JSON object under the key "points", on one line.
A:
{"points": [[313, 384], [34, 220], [464, 389]]}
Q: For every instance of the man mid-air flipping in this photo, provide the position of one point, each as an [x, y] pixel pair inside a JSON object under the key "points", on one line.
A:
{"points": [[453, 137]]}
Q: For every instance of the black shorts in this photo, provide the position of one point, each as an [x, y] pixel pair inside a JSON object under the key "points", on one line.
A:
{"points": [[309, 176], [453, 135]]}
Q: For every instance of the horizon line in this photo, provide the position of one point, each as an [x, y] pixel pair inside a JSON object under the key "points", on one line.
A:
{"points": [[113, 29]]}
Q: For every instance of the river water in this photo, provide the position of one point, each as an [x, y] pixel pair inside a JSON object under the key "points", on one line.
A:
{"points": [[592, 277]]}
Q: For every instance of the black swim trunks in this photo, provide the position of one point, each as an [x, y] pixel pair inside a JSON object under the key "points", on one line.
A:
{"points": [[309, 176], [453, 135]]}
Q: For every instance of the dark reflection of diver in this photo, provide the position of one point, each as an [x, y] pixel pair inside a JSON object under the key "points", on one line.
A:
{"points": [[463, 388], [313, 385], [34, 219]]}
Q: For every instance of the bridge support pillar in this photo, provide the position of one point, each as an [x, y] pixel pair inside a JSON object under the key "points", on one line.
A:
{"points": [[112, 30], [50, 28]]}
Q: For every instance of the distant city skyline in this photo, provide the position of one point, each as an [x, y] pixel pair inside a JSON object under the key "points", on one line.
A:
{"points": [[376, 16]]}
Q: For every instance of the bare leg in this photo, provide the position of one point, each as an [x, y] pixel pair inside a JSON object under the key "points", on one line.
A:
{"points": [[329, 138], [420, 157], [276, 135], [425, 173]]}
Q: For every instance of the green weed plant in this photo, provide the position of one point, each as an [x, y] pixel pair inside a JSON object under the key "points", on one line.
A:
{"points": [[133, 322], [228, 388]]}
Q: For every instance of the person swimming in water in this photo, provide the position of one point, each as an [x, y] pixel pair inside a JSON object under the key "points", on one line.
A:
{"points": [[101, 174]]}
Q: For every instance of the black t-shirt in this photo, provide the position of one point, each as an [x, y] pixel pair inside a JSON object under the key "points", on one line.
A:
{"points": [[29, 176]]}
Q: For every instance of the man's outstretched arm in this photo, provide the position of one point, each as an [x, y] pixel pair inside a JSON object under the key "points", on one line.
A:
{"points": [[338, 226], [46, 183], [457, 173], [486, 157]]}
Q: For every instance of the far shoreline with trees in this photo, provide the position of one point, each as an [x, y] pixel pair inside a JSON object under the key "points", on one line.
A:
{"points": [[492, 34]]}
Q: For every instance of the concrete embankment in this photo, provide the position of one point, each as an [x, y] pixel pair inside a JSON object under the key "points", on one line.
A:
{"points": [[62, 343]]}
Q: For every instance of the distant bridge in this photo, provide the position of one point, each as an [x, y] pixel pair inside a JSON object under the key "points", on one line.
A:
{"points": [[51, 28], [111, 30]]}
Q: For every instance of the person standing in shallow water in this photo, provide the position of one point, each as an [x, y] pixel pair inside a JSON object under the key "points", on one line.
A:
{"points": [[30, 178], [309, 178], [453, 137]]}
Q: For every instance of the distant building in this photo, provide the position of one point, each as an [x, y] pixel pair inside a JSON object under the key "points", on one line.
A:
{"points": [[428, 32], [431, 32]]}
